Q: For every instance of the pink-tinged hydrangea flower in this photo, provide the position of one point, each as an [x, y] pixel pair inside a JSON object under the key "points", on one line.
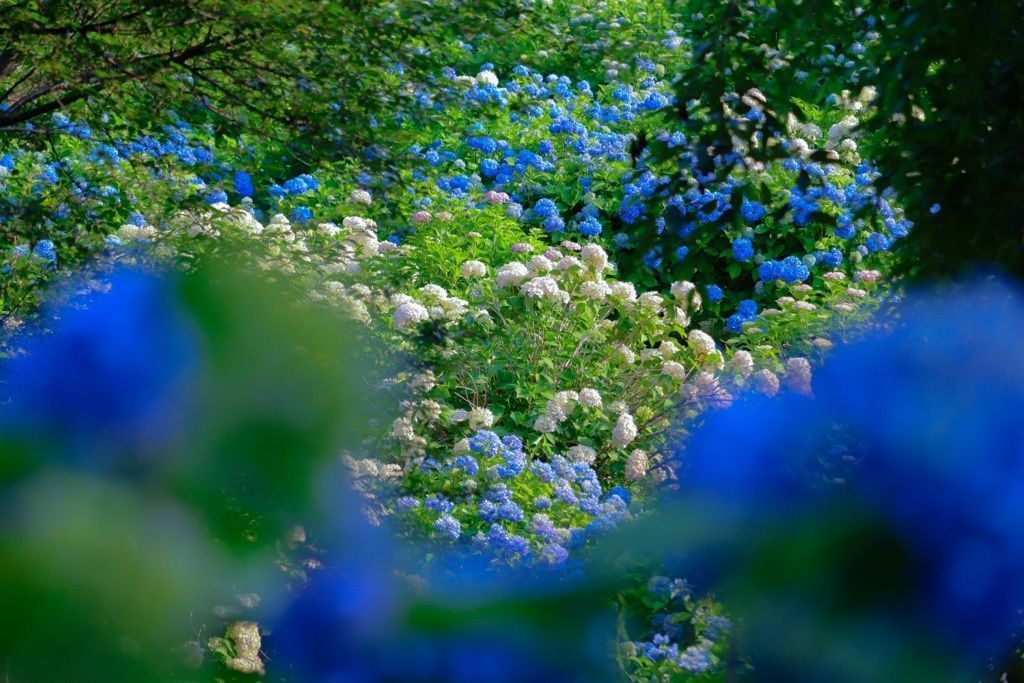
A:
{"points": [[421, 217], [511, 274], [495, 197], [743, 363], [766, 382], [798, 375]]}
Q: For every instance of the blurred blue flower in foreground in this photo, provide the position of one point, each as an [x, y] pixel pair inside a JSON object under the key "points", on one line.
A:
{"points": [[896, 496], [111, 376]]}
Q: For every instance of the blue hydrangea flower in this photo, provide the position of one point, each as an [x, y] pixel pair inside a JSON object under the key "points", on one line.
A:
{"points": [[590, 227], [243, 184], [485, 442], [554, 224], [742, 249], [217, 196], [545, 208], [488, 167], [752, 211], [448, 527], [46, 249]]}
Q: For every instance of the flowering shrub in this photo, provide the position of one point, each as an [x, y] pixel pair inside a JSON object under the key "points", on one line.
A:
{"points": [[571, 279], [521, 510]]}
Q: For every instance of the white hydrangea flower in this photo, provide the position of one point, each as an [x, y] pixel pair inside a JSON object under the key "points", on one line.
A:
{"points": [[481, 418], [454, 308], [595, 290], [845, 307], [590, 398], [487, 78], [800, 146], [131, 233], [433, 292], [743, 363], [624, 353], [682, 318], [595, 257], [568, 263], [623, 291], [545, 424], [539, 265], [856, 293], [582, 454], [461, 447], [424, 381], [334, 288], [410, 314], [625, 431], [636, 465], [834, 276], [473, 269], [667, 349], [403, 429], [354, 223], [541, 287], [361, 197], [511, 274], [687, 295], [711, 391], [701, 342], [651, 301], [561, 405], [430, 410], [329, 229], [674, 370]]}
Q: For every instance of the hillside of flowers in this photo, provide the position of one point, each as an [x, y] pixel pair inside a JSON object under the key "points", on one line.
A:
{"points": [[456, 342]]}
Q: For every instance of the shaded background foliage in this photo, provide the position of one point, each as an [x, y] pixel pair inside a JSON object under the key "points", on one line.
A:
{"points": [[948, 132]]}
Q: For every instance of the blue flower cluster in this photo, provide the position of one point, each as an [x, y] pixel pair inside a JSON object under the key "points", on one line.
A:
{"points": [[790, 270], [680, 619], [746, 311], [523, 512]]}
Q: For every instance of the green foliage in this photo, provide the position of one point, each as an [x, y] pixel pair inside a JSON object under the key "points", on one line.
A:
{"points": [[945, 129]]}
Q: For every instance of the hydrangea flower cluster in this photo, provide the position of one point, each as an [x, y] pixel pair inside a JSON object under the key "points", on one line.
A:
{"points": [[521, 510], [678, 618]]}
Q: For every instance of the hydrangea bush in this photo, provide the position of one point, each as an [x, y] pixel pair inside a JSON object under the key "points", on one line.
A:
{"points": [[571, 279]]}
